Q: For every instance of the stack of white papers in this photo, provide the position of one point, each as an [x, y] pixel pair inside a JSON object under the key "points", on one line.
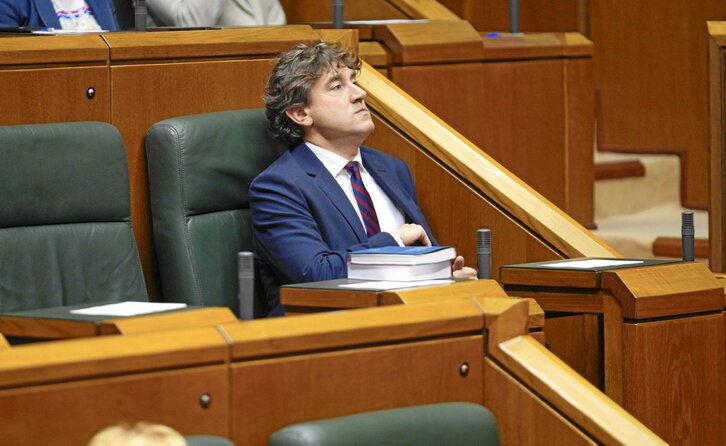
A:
{"points": [[122, 309]]}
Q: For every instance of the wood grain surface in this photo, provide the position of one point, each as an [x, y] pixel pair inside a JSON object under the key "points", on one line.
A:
{"points": [[717, 185], [479, 169], [674, 378]]}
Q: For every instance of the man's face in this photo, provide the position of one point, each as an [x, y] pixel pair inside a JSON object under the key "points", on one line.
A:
{"points": [[336, 110]]}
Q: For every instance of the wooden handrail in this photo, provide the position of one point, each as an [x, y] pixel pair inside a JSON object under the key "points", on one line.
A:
{"points": [[572, 394], [480, 170], [424, 9]]}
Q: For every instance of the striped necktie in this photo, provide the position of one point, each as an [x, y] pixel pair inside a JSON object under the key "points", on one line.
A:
{"points": [[365, 204]]}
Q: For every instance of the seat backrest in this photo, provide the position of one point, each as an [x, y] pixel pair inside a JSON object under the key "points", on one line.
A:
{"points": [[444, 424], [200, 168], [65, 224]]}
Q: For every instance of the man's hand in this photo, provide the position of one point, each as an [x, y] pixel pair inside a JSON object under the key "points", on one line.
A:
{"points": [[460, 271], [411, 233]]}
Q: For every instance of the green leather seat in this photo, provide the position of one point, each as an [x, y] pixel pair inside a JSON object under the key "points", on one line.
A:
{"points": [[200, 168], [207, 440], [65, 225], [444, 424]]}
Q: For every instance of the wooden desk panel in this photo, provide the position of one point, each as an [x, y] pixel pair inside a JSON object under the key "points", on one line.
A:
{"points": [[323, 385], [71, 413], [669, 363], [38, 95]]}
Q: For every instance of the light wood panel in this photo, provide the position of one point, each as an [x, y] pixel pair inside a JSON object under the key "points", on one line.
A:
{"points": [[677, 364], [42, 363], [197, 317], [664, 290], [434, 41], [717, 186], [424, 9], [349, 328]]}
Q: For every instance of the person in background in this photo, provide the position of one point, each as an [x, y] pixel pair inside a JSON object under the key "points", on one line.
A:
{"points": [[204, 13], [82, 15], [141, 434], [328, 194]]}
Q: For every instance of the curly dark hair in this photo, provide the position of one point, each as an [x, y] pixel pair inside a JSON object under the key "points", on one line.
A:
{"points": [[289, 83]]}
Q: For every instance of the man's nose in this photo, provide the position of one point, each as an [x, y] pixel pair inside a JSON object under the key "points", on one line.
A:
{"points": [[357, 93]]}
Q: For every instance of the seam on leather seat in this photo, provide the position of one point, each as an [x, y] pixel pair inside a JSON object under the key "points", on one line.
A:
{"points": [[179, 155]]}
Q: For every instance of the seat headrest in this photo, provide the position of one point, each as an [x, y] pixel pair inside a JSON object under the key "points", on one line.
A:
{"points": [[62, 173], [215, 157]]}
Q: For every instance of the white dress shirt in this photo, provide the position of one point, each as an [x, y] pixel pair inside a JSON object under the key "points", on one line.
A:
{"points": [[390, 216]]}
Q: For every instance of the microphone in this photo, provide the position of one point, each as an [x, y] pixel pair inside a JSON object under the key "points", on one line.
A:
{"points": [[338, 14], [483, 253], [514, 16], [246, 284], [140, 15], [687, 233]]}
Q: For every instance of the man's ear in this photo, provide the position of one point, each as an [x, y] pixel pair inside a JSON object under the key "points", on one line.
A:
{"points": [[299, 115]]}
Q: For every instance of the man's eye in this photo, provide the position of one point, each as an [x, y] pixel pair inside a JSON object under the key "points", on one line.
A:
{"points": [[335, 87]]}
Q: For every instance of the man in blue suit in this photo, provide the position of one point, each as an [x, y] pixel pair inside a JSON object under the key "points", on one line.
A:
{"points": [[307, 211], [78, 14]]}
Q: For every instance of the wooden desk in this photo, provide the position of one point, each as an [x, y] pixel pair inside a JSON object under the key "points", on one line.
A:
{"points": [[328, 295], [58, 322], [652, 337]]}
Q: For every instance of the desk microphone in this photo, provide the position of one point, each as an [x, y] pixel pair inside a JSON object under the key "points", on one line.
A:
{"points": [[483, 253], [246, 284], [687, 233], [140, 15], [338, 6]]}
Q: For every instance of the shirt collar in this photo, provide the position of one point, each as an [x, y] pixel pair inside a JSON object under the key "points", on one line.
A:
{"points": [[333, 162]]}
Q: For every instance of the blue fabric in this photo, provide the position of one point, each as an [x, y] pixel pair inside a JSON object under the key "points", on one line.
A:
{"points": [[41, 13], [304, 226]]}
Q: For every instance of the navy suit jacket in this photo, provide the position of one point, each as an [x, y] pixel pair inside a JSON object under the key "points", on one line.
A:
{"points": [[41, 13], [304, 226]]}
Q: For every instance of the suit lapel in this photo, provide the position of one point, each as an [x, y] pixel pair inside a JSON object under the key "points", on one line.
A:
{"points": [[392, 187], [329, 188]]}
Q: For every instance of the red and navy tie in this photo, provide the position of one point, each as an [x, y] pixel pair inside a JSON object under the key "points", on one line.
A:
{"points": [[365, 204]]}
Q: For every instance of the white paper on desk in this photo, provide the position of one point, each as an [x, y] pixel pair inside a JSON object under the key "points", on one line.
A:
{"points": [[592, 263], [54, 31], [128, 308], [392, 285]]}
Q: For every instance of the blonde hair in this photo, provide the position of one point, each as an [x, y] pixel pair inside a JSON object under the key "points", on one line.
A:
{"points": [[141, 434]]}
